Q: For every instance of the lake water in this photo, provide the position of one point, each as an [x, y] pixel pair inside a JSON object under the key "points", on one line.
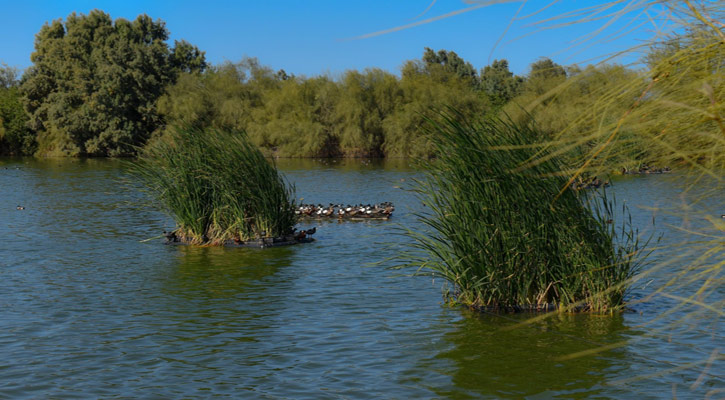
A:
{"points": [[89, 310]]}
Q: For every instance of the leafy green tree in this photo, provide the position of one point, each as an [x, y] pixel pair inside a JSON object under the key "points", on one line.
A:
{"points": [[578, 101], [296, 120], [364, 113], [443, 63], [15, 137], [684, 107], [499, 83], [8, 76], [223, 97], [423, 95], [186, 57], [94, 83], [545, 75], [367, 99], [546, 69]]}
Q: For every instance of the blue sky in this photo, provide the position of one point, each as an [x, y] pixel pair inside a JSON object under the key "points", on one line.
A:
{"points": [[317, 37]]}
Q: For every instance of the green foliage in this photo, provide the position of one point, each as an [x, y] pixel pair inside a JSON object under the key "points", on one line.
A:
{"points": [[367, 99], [544, 75], [579, 110], [682, 115], [444, 63], [15, 137], [8, 76], [94, 83], [499, 83], [609, 117], [217, 185], [423, 92], [296, 119], [503, 232], [368, 113], [220, 98]]}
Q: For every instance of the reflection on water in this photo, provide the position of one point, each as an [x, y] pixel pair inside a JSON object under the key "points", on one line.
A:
{"points": [[218, 273], [494, 359], [87, 309]]}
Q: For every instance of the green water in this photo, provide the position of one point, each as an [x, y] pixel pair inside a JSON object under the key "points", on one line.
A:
{"points": [[87, 310]]}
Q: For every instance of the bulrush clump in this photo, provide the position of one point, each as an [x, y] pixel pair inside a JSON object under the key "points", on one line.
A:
{"points": [[506, 233], [218, 187]]}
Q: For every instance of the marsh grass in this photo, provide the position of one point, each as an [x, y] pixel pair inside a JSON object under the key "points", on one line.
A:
{"points": [[669, 113], [504, 236], [217, 186]]}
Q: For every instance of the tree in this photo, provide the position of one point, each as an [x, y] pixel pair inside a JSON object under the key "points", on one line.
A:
{"points": [[368, 98], [296, 119], [8, 76], [94, 83], [424, 94], [544, 75], [446, 62], [15, 137], [186, 57], [499, 83], [546, 69]]}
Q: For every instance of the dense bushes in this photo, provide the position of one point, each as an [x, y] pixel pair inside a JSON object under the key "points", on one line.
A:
{"points": [[15, 136], [99, 87], [370, 113]]}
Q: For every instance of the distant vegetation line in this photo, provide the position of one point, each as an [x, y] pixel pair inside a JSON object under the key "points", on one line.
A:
{"points": [[99, 87]]}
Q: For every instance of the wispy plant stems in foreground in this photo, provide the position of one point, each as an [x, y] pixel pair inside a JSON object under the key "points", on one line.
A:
{"points": [[217, 186], [504, 236]]}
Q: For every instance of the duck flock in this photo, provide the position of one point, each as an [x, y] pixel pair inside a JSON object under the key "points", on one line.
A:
{"points": [[646, 170], [589, 183], [352, 212]]}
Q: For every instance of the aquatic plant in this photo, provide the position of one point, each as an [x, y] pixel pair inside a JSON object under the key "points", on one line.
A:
{"points": [[217, 185], [504, 235]]}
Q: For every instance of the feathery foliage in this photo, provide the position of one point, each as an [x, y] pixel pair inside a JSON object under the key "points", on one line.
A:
{"points": [[368, 113], [217, 185]]}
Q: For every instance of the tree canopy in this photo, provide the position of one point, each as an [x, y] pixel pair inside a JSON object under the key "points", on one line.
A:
{"points": [[99, 87], [94, 82], [15, 136], [499, 83], [369, 113]]}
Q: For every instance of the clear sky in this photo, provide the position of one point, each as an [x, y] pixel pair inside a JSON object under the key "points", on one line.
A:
{"points": [[318, 36]]}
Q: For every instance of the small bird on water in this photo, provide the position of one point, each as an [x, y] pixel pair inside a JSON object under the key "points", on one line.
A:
{"points": [[23, 208], [303, 234], [170, 236]]}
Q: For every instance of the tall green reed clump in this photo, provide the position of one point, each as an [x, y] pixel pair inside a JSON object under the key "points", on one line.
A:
{"points": [[217, 185], [505, 235]]}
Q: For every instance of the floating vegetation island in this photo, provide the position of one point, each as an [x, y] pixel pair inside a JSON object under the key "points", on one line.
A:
{"points": [[220, 189]]}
